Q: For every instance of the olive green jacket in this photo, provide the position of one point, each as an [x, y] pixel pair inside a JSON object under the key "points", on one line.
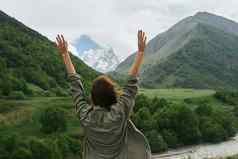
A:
{"points": [[110, 134]]}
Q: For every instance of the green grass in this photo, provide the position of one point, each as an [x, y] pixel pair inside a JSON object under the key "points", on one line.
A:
{"points": [[177, 94], [21, 116]]}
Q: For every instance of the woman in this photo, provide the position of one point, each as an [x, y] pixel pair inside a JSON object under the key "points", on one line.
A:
{"points": [[109, 132]]}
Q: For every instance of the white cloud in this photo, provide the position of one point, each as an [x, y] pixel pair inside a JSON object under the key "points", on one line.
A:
{"points": [[111, 22]]}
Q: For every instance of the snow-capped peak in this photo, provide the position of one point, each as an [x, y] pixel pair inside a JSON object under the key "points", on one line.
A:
{"points": [[102, 59]]}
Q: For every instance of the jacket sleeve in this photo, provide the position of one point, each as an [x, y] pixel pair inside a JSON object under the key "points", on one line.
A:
{"points": [[126, 101], [82, 108]]}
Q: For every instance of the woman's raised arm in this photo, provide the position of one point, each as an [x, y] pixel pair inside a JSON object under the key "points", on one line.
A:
{"points": [[62, 45], [140, 53], [76, 87], [130, 89]]}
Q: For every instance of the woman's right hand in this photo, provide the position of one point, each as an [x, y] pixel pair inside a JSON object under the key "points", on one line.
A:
{"points": [[140, 53], [141, 41]]}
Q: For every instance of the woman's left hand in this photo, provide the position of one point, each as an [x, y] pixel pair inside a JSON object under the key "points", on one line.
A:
{"points": [[62, 45]]}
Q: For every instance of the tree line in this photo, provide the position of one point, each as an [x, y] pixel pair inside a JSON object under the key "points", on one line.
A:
{"points": [[170, 125], [166, 125]]}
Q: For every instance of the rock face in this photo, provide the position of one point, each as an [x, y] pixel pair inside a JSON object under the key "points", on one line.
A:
{"points": [[100, 58], [200, 51]]}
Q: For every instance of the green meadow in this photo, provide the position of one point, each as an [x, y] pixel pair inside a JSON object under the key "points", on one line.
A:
{"points": [[156, 114], [21, 116], [177, 94]]}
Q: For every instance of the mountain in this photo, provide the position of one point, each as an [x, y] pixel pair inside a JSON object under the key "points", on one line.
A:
{"points": [[30, 63], [100, 58], [200, 51]]}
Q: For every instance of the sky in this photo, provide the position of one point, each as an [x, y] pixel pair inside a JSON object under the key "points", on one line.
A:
{"points": [[112, 23]]}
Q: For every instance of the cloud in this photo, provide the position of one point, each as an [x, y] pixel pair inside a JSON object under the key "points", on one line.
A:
{"points": [[111, 22]]}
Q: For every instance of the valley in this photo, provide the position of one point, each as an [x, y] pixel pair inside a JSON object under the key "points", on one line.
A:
{"points": [[21, 118], [188, 94]]}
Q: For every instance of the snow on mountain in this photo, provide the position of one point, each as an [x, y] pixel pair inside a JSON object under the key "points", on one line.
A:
{"points": [[100, 58]]}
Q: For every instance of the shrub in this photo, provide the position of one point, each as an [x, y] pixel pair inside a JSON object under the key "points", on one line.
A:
{"points": [[63, 144], [6, 87], [8, 142], [143, 119], [156, 141], [170, 138], [211, 130], [22, 153], [54, 147], [47, 93], [53, 119], [39, 149], [235, 110], [18, 95], [59, 92], [188, 100], [187, 125], [4, 154], [204, 110], [182, 120], [141, 101], [6, 107], [227, 97], [227, 120], [74, 145], [157, 103]]}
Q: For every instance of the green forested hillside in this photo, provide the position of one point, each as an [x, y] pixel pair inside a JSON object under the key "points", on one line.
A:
{"points": [[200, 51], [30, 64], [208, 60]]}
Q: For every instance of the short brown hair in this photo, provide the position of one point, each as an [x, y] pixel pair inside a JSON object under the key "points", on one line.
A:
{"points": [[104, 92]]}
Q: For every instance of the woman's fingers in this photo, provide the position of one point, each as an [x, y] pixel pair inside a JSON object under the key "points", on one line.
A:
{"points": [[141, 40], [144, 42], [64, 43], [62, 37], [61, 43], [57, 39], [141, 36]]}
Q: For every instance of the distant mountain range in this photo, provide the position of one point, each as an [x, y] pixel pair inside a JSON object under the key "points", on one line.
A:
{"points": [[201, 51], [30, 63], [100, 58]]}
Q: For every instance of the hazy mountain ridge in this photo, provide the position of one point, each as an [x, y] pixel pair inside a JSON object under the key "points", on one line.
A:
{"points": [[158, 70]]}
